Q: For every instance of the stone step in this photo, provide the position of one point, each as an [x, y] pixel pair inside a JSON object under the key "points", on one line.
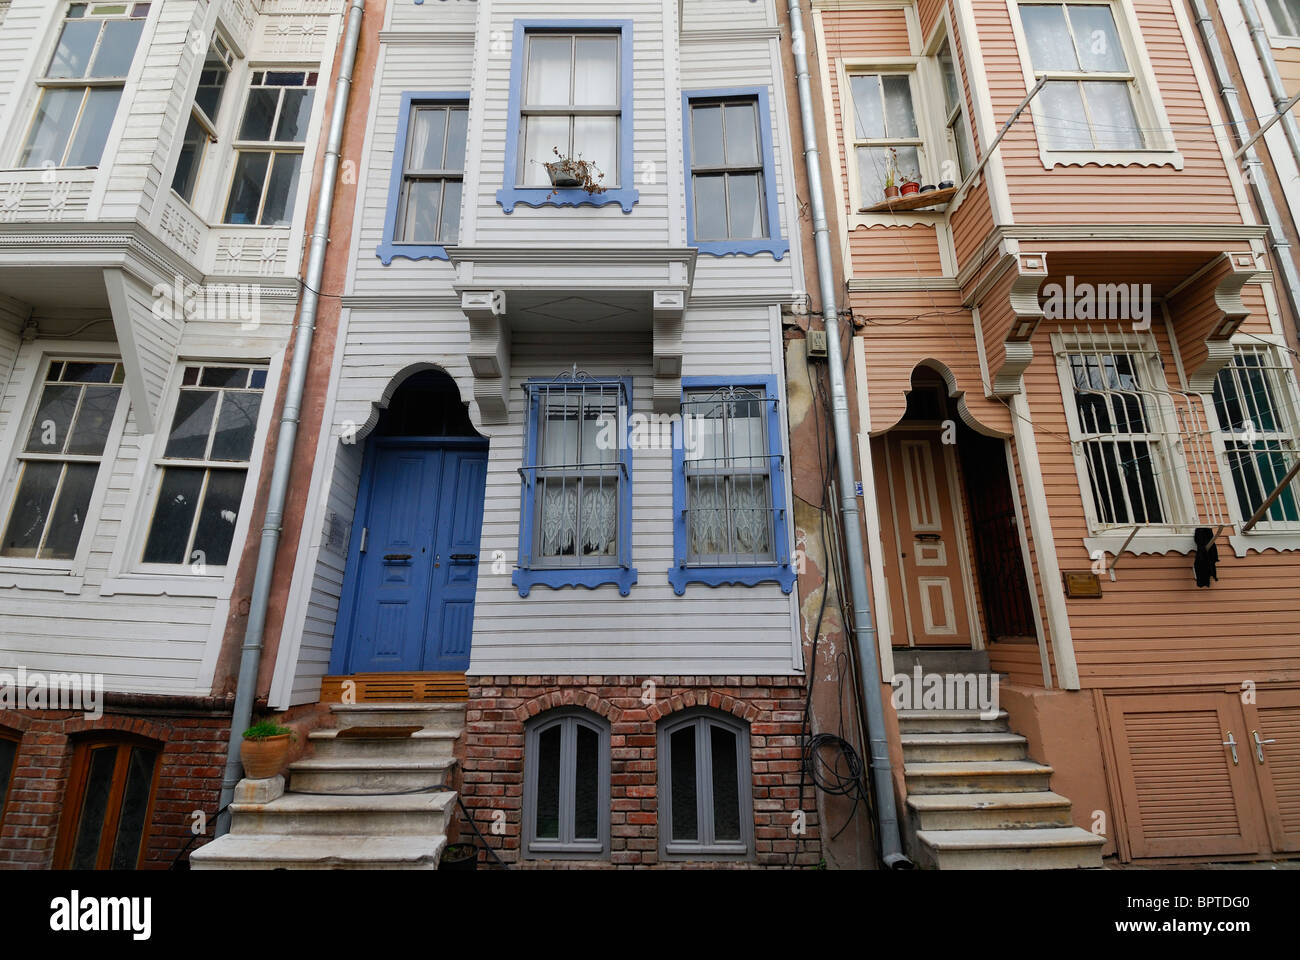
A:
{"points": [[989, 811], [294, 814], [421, 745], [950, 721], [994, 776], [1043, 848], [923, 747], [367, 775], [941, 661], [277, 852], [431, 716]]}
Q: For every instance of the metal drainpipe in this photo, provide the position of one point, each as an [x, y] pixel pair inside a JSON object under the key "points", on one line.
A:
{"points": [[1276, 88], [891, 848], [1258, 183], [251, 655]]}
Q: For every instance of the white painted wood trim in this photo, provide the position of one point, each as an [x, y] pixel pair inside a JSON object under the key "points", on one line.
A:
{"points": [[1030, 572], [871, 514]]}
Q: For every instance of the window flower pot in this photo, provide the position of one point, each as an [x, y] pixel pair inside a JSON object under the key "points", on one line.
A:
{"points": [[928, 188], [459, 856], [264, 758], [946, 184], [568, 173], [892, 193], [911, 188]]}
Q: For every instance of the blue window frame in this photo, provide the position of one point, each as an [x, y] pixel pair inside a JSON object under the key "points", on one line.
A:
{"points": [[731, 199], [415, 186], [576, 504], [563, 99], [729, 517]]}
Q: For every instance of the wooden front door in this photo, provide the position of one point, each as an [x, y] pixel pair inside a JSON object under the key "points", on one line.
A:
{"points": [[930, 542], [1273, 729]]}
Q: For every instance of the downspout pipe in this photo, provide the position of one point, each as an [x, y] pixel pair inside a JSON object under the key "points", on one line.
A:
{"points": [[250, 657], [1281, 246], [891, 847], [1276, 88]]}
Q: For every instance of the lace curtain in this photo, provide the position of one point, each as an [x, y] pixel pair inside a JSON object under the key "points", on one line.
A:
{"points": [[560, 516], [717, 528]]}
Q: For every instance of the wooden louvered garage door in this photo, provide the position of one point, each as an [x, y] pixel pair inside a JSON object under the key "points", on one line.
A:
{"points": [[1276, 717], [1181, 792]]}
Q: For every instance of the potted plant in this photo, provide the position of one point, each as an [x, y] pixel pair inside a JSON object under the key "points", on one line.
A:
{"points": [[265, 749], [911, 184], [891, 176], [566, 172], [459, 856]]}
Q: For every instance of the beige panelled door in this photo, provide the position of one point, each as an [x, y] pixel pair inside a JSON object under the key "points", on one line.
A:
{"points": [[1273, 726], [1184, 791], [930, 541]]}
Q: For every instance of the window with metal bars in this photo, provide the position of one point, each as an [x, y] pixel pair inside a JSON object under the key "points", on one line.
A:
{"points": [[577, 485], [204, 465], [60, 459], [83, 84], [729, 487], [1256, 403]]}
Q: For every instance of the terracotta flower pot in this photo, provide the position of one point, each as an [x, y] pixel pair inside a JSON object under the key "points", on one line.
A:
{"points": [[263, 759], [892, 193], [910, 188]]}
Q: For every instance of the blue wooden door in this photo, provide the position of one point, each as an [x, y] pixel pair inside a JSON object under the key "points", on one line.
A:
{"points": [[413, 572]]}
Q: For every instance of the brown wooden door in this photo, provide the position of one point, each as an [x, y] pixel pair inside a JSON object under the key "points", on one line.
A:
{"points": [[1182, 792], [1273, 726], [930, 541]]}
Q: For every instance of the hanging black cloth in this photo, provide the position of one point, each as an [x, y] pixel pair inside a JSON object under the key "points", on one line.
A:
{"points": [[1207, 557]]}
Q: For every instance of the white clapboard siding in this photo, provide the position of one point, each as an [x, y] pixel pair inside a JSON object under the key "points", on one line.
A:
{"points": [[432, 15], [4, 11], [727, 16]]}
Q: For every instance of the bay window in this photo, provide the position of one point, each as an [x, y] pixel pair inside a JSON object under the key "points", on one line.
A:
{"points": [[269, 147], [201, 130]]}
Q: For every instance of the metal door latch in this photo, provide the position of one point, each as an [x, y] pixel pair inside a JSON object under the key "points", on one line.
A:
{"points": [[1230, 742], [1259, 745]]}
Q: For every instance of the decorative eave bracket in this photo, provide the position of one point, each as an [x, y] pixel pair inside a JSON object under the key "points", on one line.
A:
{"points": [[669, 315], [1029, 271], [1235, 271], [489, 351]]}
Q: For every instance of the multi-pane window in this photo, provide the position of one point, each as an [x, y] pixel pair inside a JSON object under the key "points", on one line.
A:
{"points": [[704, 789], [566, 806], [269, 147], [83, 83], [432, 173], [1285, 15], [729, 193], [1256, 405], [1088, 103], [885, 132], [570, 103], [1116, 427], [106, 810], [959, 137], [200, 132], [204, 465], [61, 457], [730, 511]]}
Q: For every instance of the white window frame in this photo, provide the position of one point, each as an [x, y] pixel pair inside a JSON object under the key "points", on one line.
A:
{"points": [[1178, 498], [1281, 35], [127, 573], [1267, 534], [1161, 147], [209, 125], [956, 116], [35, 359], [303, 148]]}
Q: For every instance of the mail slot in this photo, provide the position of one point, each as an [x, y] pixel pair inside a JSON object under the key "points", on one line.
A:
{"points": [[397, 558]]}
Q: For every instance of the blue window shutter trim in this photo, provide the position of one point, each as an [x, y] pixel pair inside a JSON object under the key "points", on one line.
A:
{"points": [[626, 195], [526, 576], [782, 572], [388, 249], [773, 244]]}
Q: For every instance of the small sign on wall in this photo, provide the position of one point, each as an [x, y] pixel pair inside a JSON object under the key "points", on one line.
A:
{"points": [[1081, 584]]}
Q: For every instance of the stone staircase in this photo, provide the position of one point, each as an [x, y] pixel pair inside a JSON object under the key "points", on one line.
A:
{"points": [[359, 802], [975, 799]]}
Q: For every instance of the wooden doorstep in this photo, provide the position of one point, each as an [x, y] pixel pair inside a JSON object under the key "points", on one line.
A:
{"points": [[397, 687]]}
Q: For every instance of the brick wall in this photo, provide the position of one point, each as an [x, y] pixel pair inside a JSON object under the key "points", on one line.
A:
{"points": [[193, 755], [491, 757]]}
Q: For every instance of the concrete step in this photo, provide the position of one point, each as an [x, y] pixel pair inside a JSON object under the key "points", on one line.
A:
{"points": [[294, 814], [1045, 848], [367, 775], [923, 747], [950, 721], [432, 716], [421, 745], [941, 661], [988, 811], [994, 776], [274, 852]]}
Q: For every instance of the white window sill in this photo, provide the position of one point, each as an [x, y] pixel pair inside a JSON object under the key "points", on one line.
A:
{"points": [[1284, 43], [1155, 541], [1111, 158], [208, 586], [1281, 541], [64, 578]]}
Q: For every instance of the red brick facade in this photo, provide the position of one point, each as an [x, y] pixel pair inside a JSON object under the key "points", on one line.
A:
{"points": [[491, 756], [193, 756]]}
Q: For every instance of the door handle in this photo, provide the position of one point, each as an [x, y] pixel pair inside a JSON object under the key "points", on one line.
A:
{"points": [[464, 557], [1230, 742], [1259, 745], [396, 557]]}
